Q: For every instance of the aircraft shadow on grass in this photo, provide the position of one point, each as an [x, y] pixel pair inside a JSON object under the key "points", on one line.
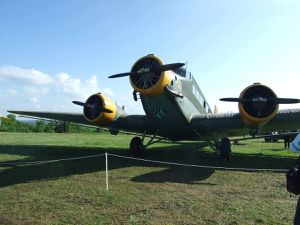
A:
{"points": [[188, 153]]}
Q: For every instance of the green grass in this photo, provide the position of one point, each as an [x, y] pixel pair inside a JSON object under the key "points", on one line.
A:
{"points": [[73, 192]]}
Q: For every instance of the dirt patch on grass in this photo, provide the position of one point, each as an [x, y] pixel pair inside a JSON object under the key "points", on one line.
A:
{"points": [[7, 221]]}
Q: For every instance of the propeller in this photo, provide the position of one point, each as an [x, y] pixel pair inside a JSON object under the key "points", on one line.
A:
{"points": [[155, 69], [122, 75], [286, 100], [260, 104], [262, 100], [78, 103], [241, 100], [92, 106]]}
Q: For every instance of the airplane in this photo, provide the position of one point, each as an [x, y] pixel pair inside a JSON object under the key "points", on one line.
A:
{"points": [[3, 118], [176, 109]]}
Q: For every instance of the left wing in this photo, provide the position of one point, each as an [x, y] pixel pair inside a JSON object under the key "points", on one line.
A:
{"points": [[215, 126], [258, 112]]}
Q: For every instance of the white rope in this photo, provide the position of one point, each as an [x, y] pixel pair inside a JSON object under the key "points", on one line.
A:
{"points": [[198, 166], [143, 160], [48, 161]]}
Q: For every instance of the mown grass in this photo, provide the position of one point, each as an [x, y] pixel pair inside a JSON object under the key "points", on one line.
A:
{"points": [[73, 192]]}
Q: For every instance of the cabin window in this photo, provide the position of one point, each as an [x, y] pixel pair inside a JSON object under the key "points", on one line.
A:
{"points": [[200, 99], [194, 90], [198, 96]]}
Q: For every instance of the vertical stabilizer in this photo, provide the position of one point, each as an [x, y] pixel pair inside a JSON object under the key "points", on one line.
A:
{"points": [[216, 110]]}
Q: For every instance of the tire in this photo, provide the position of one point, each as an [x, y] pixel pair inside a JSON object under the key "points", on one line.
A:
{"points": [[225, 150], [136, 146]]}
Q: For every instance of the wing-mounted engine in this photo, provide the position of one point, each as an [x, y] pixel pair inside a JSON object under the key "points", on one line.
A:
{"points": [[149, 75], [99, 109], [258, 104]]}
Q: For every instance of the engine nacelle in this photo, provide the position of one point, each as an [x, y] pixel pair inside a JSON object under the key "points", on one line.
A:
{"points": [[95, 105], [257, 110], [152, 83]]}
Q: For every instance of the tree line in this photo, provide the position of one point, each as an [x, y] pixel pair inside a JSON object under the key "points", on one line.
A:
{"points": [[39, 126]]}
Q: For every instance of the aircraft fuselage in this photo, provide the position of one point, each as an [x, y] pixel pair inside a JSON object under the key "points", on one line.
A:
{"points": [[171, 114]]}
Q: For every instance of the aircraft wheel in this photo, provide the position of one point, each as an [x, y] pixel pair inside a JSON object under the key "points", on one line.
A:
{"points": [[136, 146], [225, 156], [225, 150]]}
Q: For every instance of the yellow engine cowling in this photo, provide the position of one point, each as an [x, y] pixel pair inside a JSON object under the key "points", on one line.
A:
{"points": [[254, 113], [151, 84], [93, 113]]}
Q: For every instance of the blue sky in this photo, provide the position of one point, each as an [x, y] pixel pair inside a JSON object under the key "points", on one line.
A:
{"points": [[53, 52]]}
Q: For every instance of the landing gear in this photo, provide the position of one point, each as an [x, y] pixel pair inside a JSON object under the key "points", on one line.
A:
{"points": [[225, 150], [136, 146]]}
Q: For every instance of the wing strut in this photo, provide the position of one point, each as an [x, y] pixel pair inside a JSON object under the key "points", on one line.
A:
{"points": [[210, 143]]}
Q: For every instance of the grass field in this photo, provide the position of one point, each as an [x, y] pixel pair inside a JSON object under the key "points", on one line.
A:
{"points": [[73, 192]]}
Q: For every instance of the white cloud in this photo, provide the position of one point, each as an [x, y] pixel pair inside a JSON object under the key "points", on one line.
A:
{"points": [[29, 89], [12, 92], [34, 100], [108, 91], [77, 88], [30, 76], [35, 91]]}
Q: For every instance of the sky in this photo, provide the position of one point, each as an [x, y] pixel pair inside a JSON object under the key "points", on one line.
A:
{"points": [[54, 52]]}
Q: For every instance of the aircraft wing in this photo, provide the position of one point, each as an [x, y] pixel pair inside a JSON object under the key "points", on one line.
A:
{"points": [[131, 123], [213, 126], [3, 118]]}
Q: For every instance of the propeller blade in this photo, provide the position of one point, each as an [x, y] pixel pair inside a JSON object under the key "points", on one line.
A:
{"points": [[274, 100], [78, 103], [121, 75], [105, 110], [157, 69], [92, 106], [241, 100], [165, 67], [286, 100]]}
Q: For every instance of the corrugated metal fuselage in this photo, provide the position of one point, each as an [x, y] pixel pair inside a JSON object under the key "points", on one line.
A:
{"points": [[171, 114]]}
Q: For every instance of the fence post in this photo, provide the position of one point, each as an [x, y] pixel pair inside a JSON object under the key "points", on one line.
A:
{"points": [[106, 171]]}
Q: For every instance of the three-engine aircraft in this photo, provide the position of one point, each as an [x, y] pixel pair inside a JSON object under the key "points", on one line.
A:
{"points": [[176, 109], [3, 118]]}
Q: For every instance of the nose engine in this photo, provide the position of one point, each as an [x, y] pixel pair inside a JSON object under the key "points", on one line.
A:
{"points": [[147, 80], [149, 75]]}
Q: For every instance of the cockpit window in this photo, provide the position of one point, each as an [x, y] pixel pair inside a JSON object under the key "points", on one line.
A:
{"points": [[180, 71]]}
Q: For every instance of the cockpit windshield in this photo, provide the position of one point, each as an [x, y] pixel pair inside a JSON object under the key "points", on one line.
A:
{"points": [[180, 71], [183, 73]]}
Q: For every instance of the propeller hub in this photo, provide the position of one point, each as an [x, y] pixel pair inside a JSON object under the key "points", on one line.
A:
{"points": [[143, 71], [259, 100]]}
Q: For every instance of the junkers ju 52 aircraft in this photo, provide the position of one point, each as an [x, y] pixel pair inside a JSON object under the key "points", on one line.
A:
{"points": [[176, 109]]}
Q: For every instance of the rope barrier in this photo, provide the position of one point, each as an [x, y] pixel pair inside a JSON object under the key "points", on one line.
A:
{"points": [[144, 160], [199, 166], [48, 161]]}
